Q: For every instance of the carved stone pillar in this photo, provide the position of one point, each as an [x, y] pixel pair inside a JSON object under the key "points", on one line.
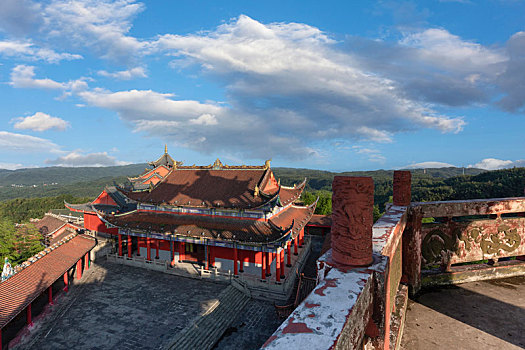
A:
{"points": [[412, 250], [402, 192], [352, 219]]}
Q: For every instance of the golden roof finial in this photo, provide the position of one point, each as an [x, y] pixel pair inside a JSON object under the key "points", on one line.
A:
{"points": [[267, 164], [166, 148], [256, 192]]}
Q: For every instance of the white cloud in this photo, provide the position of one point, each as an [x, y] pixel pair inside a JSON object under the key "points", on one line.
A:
{"points": [[428, 165], [19, 17], [494, 164], [445, 50], [11, 166], [22, 76], [25, 143], [102, 26], [205, 119], [26, 50], [40, 122], [292, 81], [373, 155], [77, 159], [137, 72]]}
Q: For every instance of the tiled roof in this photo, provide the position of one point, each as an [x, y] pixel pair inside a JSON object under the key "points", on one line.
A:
{"points": [[51, 224], [25, 286], [298, 215], [215, 227], [197, 226], [321, 220], [88, 207], [165, 160], [289, 195], [225, 188]]}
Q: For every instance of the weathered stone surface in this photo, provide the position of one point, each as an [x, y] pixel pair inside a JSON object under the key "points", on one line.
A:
{"points": [[457, 242], [471, 316], [402, 192], [471, 207], [412, 250], [352, 219]]}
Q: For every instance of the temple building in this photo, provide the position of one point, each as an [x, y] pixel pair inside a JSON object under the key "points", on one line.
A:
{"points": [[230, 218]]}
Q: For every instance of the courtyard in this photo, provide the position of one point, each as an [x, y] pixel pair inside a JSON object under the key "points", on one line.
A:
{"points": [[120, 307]]}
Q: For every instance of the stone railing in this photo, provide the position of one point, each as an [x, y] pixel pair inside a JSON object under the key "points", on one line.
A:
{"points": [[353, 305], [481, 230]]}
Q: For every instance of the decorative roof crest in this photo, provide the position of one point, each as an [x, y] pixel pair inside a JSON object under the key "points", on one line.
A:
{"points": [[217, 165]]}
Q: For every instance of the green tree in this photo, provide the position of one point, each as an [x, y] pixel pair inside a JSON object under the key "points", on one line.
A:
{"points": [[18, 243]]}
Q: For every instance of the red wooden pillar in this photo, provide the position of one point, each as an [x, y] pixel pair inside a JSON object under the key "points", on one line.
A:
{"points": [[289, 254], [129, 246], [241, 261], [50, 295], [212, 256], [66, 282], [207, 257], [352, 220], [301, 238], [86, 261], [235, 264], [269, 264], [119, 244], [157, 244], [172, 248], [278, 267], [79, 269], [295, 246], [148, 248], [281, 256], [181, 251], [263, 267], [138, 245], [29, 321]]}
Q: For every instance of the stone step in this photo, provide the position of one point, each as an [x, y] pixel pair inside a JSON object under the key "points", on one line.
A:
{"points": [[212, 328], [208, 329]]}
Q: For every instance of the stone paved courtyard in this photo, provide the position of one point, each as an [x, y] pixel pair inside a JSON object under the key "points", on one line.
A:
{"points": [[120, 307]]}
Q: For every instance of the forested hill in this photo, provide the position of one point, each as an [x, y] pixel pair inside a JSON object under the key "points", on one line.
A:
{"points": [[64, 176], [322, 180]]}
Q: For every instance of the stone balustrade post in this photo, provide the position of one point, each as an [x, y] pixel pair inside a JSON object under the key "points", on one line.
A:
{"points": [[402, 192], [352, 220]]}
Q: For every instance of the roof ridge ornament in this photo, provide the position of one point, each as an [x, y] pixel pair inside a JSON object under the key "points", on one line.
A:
{"points": [[267, 164], [217, 164]]}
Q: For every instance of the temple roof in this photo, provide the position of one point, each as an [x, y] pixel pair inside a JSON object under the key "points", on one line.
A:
{"points": [[291, 220], [49, 224], [22, 288], [123, 203], [202, 187], [165, 160]]}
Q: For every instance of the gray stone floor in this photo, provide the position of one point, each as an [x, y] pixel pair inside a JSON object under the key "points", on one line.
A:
{"points": [[120, 307], [477, 315]]}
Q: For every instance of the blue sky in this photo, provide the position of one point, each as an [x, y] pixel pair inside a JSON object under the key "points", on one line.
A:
{"points": [[335, 85]]}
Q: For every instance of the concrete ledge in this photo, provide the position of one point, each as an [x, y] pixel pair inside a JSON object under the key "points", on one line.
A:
{"points": [[473, 273]]}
